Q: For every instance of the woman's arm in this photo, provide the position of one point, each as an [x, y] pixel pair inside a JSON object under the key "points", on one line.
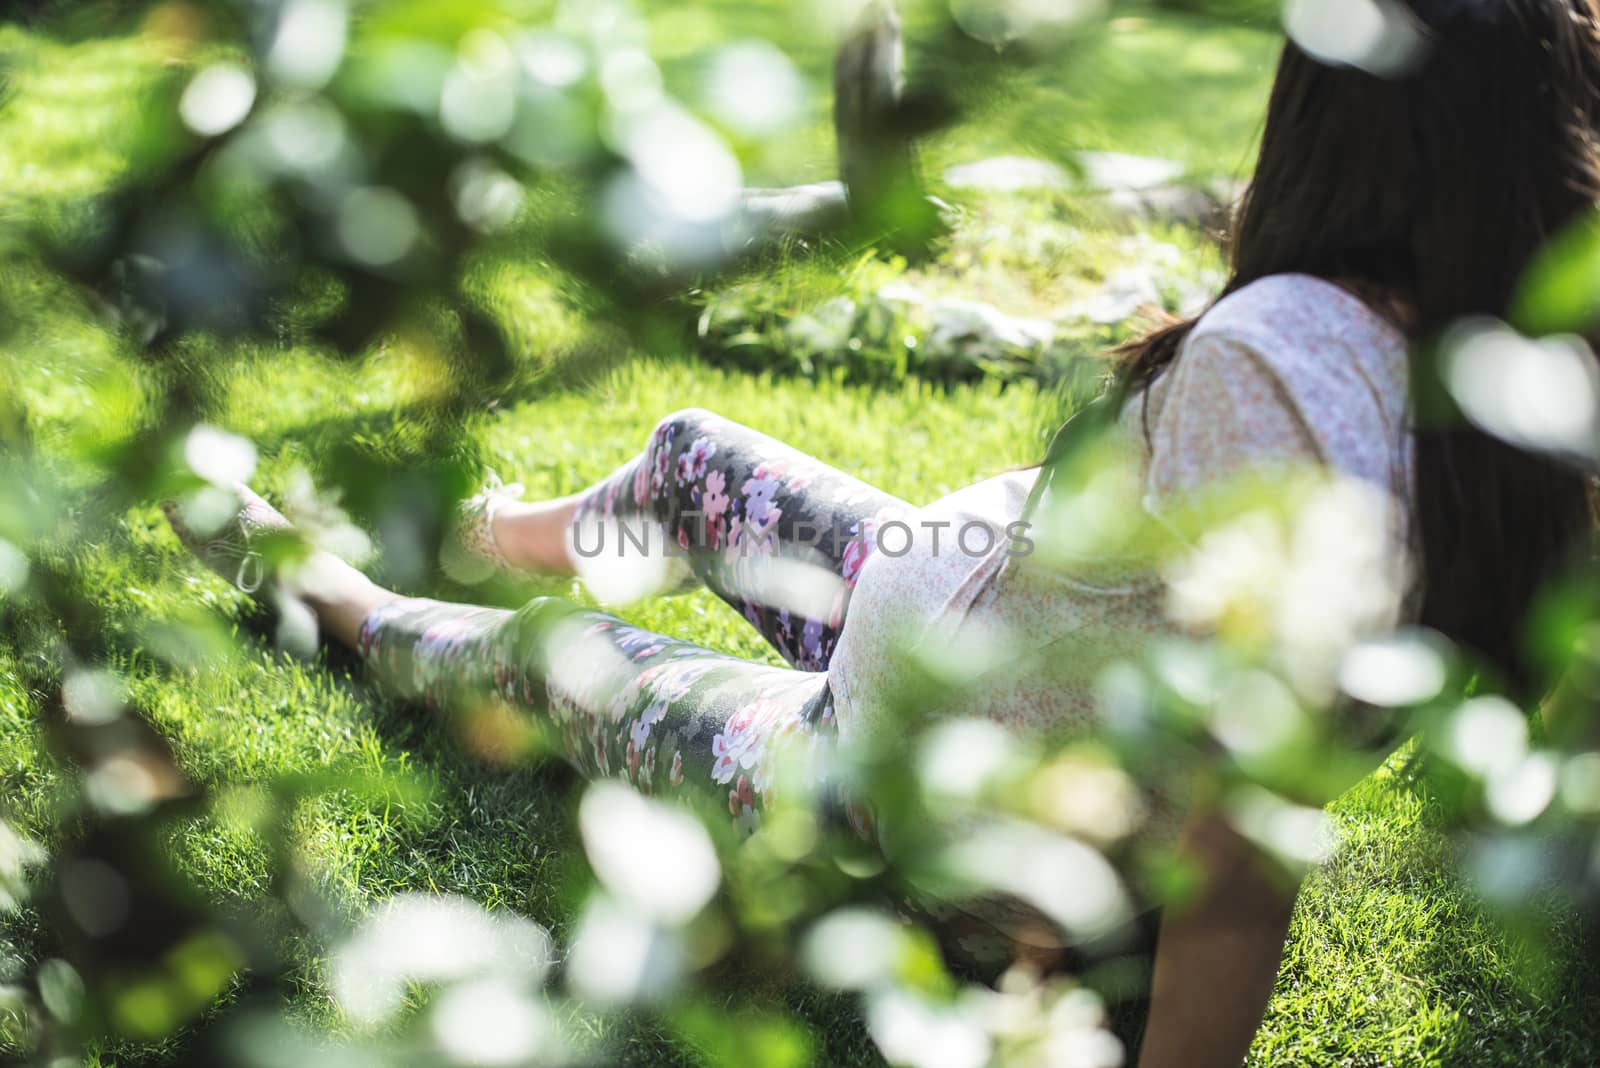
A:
{"points": [[1217, 956]]}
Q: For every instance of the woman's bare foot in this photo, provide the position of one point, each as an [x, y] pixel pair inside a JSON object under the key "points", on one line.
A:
{"points": [[497, 532], [247, 548], [533, 534]]}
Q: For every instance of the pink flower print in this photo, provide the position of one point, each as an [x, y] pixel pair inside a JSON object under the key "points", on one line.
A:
{"points": [[700, 453], [653, 713], [632, 757], [715, 500], [714, 503], [741, 796], [742, 806], [663, 462], [683, 537], [856, 555], [727, 758], [630, 638], [738, 746], [800, 478], [743, 741], [692, 464], [647, 769], [676, 776], [811, 642], [648, 651], [641, 484], [711, 426], [683, 676], [759, 508]]}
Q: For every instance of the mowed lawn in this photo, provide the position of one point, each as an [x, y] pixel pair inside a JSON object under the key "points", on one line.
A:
{"points": [[1389, 962]]}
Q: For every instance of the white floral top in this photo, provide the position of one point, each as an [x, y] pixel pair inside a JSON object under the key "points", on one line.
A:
{"points": [[1289, 371]]}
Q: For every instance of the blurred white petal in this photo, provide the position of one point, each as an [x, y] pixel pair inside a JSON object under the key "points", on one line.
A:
{"points": [[1538, 394], [1095, 801], [309, 42], [217, 99], [1000, 22], [1298, 834], [918, 1033], [377, 226], [631, 80], [1580, 784], [655, 858], [1518, 794], [959, 758], [621, 560], [552, 59], [1487, 736], [486, 197], [17, 856], [221, 458], [754, 88], [852, 948], [585, 668], [1255, 713], [479, 100], [803, 589], [1393, 672], [1379, 36], [14, 568], [297, 632], [490, 1022], [619, 956], [417, 938], [1065, 879], [93, 696], [316, 513], [682, 160], [123, 785]]}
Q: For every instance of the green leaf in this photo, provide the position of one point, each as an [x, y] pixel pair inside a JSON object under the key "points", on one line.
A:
{"points": [[1560, 293]]}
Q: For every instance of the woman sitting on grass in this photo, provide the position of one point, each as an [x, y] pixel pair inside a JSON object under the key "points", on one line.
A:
{"points": [[1382, 211]]}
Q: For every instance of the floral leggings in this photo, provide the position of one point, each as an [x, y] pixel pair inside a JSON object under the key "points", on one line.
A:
{"points": [[777, 535]]}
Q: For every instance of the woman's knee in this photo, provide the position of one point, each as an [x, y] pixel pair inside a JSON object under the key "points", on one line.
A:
{"points": [[672, 428]]}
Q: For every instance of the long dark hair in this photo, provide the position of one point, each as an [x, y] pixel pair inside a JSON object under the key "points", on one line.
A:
{"points": [[1427, 193]]}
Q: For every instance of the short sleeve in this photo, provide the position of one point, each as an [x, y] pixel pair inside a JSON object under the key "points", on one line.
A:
{"points": [[1225, 412]]}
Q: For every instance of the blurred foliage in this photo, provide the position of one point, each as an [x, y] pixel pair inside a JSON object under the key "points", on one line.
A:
{"points": [[1264, 13], [351, 211]]}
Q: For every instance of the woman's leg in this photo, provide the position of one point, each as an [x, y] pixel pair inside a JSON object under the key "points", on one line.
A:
{"points": [[778, 535], [663, 714]]}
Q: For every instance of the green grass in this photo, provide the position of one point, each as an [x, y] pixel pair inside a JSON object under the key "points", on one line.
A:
{"points": [[1389, 962]]}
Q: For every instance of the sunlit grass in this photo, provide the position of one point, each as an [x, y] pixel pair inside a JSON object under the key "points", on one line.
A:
{"points": [[1389, 962]]}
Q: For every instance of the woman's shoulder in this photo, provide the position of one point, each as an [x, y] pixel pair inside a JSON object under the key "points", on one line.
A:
{"points": [[1290, 311], [1311, 335]]}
